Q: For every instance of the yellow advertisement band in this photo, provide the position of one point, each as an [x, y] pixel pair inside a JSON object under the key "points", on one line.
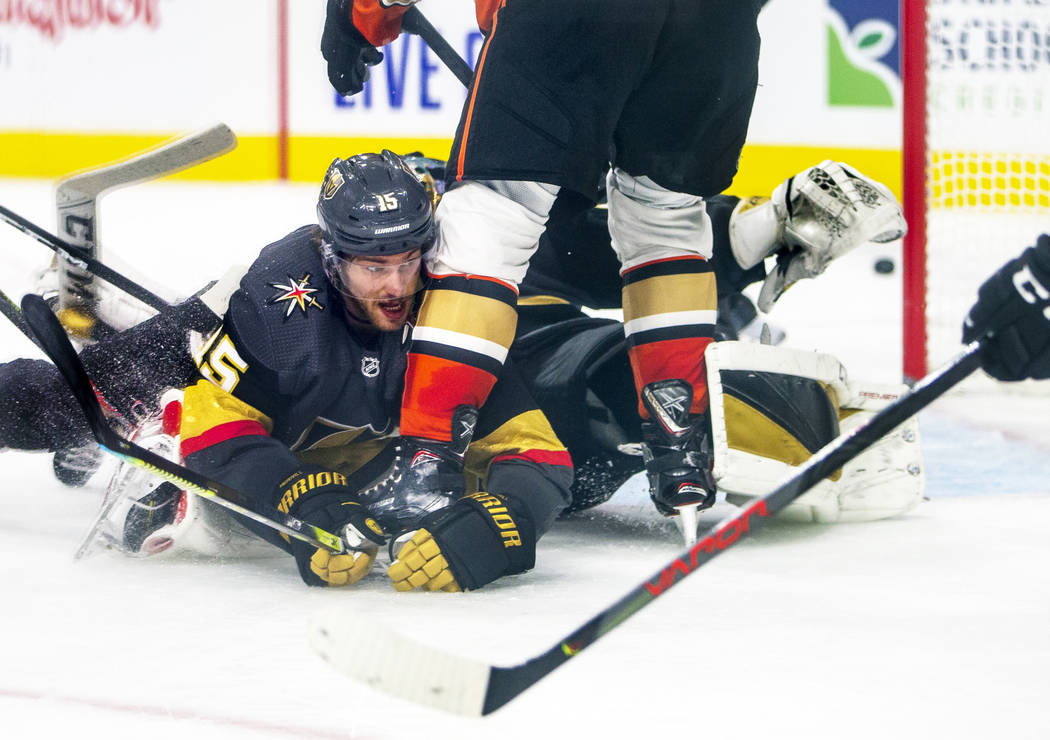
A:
{"points": [[51, 154]]}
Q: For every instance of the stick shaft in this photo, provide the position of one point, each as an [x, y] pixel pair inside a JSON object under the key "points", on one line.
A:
{"points": [[507, 683], [77, 255], [415, 22]]}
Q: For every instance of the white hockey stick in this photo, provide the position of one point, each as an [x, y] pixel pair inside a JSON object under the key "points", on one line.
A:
{"points": [[76, 199], [398, 665]]}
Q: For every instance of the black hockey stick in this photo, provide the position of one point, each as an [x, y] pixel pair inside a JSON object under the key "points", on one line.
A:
{"points": [[83, 260], [415, 22], [10, 309], [53, 340], [427, 675]]}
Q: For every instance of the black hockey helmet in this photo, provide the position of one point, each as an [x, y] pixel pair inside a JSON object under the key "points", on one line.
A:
{"points": [[373, 204]]}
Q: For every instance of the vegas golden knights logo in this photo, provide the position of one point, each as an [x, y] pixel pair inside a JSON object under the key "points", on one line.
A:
{"points": [[332, 183]]}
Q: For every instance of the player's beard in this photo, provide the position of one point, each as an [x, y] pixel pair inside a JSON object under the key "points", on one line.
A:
{"points": [[383, 313]]}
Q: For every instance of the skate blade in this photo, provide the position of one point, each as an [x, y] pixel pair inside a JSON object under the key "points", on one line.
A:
{"points": [[687, 521]]}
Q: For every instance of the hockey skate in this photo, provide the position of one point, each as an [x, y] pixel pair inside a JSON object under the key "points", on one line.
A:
{"points": [[136, 506], [151, 521], [677, 455], [143, 517], [424, 476]]}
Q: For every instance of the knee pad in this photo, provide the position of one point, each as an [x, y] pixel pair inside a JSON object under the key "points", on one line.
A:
{"points": [[490, 228], [648, 222]]}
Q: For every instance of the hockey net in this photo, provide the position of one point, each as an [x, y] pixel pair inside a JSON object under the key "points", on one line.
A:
{"points": [[976, 160]]}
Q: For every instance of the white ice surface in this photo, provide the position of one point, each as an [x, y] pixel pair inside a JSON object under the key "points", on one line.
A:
{"points": [[933, 625]]}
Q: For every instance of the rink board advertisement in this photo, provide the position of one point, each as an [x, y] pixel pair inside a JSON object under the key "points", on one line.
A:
{"points": [[88, 81]]}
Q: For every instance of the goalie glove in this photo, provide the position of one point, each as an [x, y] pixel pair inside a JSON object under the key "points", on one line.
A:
{"points": [[322, 498], [1014, 305], [811, 219], [466, 545]]}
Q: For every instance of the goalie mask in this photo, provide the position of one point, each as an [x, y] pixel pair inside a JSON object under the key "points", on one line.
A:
{"points": [[377, 220], [430, 172]]}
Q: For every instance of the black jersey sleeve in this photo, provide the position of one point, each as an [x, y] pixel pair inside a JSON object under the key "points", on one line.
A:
{"points": [[225, 434], [516, 453], [254, 373]]}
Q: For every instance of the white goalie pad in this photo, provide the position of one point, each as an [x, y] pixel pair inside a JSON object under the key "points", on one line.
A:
{"points": [[144, 516], [886, 480]]}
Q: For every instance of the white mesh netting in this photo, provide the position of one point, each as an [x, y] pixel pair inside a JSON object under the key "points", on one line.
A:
{"points": [[988, 150]]}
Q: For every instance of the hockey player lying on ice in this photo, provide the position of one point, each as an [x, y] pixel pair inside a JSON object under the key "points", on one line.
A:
{"points": [[273, 409]]}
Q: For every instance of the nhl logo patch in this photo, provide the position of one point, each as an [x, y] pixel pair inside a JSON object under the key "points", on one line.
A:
{"points": [[297, 293], [369, 366]]}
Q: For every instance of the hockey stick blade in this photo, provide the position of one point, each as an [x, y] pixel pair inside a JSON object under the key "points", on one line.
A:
{"points": [[166, 159], [78, 256], [77, 202], [56, 345], [426, 675]]}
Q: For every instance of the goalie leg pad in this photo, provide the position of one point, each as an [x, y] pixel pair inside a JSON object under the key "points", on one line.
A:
{"points": [[759, 434]]}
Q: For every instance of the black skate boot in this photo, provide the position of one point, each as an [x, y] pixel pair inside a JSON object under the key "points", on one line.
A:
{"points": [[677, 450], [424, 476], [74, 466], [162, 506]]}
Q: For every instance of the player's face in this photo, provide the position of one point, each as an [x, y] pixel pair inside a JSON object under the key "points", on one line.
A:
{"points": [[383, 288]]}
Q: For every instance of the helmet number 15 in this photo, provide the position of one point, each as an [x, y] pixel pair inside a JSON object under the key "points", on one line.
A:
{"points": [[387, 202]]}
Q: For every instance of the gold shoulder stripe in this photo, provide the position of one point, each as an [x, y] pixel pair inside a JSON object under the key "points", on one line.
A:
{"points": [[205, 406]]}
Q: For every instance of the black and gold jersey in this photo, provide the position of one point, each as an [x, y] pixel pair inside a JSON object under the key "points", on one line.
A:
{"points": [[291, 379]]}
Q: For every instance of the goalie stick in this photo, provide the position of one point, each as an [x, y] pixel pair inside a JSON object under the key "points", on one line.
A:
{"points": [[53, 340], [398, 665], [77, 195], [71, 253]]}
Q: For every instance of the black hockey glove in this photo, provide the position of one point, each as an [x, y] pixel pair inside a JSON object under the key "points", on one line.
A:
{"points": [[322, 498], [466, 545], [347, 51], [1014, 305]]}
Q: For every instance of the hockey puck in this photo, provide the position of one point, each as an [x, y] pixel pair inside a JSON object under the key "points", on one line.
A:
{"points": [[884, 266]]}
